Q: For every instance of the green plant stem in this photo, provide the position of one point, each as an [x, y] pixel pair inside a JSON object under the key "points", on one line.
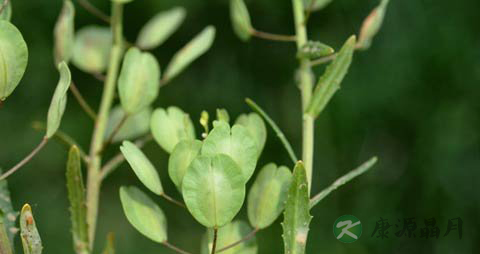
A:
{"points": [[25, 160], [273, 37], [343, 180], [306, 87], [94, 10], [215, 236], [115, 132], [174, 248], [275, 128], [83, 103], [244, 239], [94, 174], [174, 201], [4, 5]]}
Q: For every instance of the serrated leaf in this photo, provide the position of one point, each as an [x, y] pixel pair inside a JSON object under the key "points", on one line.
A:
{"points": [[91, 50], [372, 24], [240, 18], [13, 58], [135, 126], [330, 81], [189, 53], [76, 196], [297, 213], [6, 207], [64, 33], [228, 234], [142, 167], [59, 100], [31, 241], [144, 214], [256, 127], [235, 142], [222, 115], [7, 12], [139, 80], [213, 189], [266, 199], [317, 4], [170, 127], [182, 155], [159, 28], [5, 244]]}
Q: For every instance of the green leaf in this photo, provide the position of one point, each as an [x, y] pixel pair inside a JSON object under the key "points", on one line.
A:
{"points": [[297, 213], [10, 216], [13, 58], [7, 12], [329, 83], [64, 33], [228, 234], [139, 81], [240, 19], [372, 24], [91, 50], [5, 244], [317, 4], [159, 28], [189, 53], [182, 155], [109, 244], [256, 127], [266, 199], [236, 143], [170, 127], [213, 189], [135, 126], [76, 196], [32, 244], [59, 100], [315, 49], [142, 167], [222, 115], [144, 214]]}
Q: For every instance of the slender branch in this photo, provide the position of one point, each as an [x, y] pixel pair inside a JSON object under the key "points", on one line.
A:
{"points": [[309, 11], [115, 132], [94, 10], [329, 58], [244, 239], [174, 248], [176, 202], [275, 128], [4, 5], [25, 160], [215, 236], [343, 180], [83, 103], [273, 37]]}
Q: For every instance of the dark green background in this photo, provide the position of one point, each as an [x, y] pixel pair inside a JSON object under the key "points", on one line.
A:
{"points": [[412, 99]]}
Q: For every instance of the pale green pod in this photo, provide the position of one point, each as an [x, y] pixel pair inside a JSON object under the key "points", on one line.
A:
{"points": [[228, 234], [59, 100], [222, 115], [170, 127], [256, 127], [91, 50], [64, 33], [317, 4], [31, 241], [182, 155], [315, 49], [135, 126], [189, 53], [13, 58], [6, 14], [139, 80], [240, 18], [142, 167], [372, 24], [266, 199], [144, 214], [213, 189], [235, 142], [159, 28]]}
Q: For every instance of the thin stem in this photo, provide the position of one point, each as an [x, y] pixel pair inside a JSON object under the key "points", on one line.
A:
{"points": [[273, 37], [343, 180], [309, 11], [275, 128], [25, 160], [329, 58], [174, 248], [83, 103], [215, 236], [176, 202], [4, 5], [94, 10], [244, 239], [94, 179], [115, 132]]}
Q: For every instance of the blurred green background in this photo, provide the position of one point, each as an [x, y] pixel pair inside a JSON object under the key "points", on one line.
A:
{"points": [[412, 100]]}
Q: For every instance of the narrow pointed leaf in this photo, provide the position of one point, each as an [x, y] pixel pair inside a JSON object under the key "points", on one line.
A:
{"points": [[31, 241], [317, 4], [266, 199], [182, 155], [189, 53], [5, 244], [159, 28], [213, 189], [256, 127], [59, 100], [135, 126], [142, 167], [228, 234], [329, 83], [240, 19], [10, 216], [235, 142], [13, 58], [138, 83], [76, 196], [297, 213], [7, 12], [143, 214], [109, 244], [64, 33], [170, 127], [91, 50], [372, 24]]}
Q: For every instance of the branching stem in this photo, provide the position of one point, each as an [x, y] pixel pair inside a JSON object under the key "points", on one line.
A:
{"points": [[215, 236], [83, 103], [25, 160], [94, 10], [174, 248], [244, 239], [174, 201], [273, 37], [115, 132]]}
